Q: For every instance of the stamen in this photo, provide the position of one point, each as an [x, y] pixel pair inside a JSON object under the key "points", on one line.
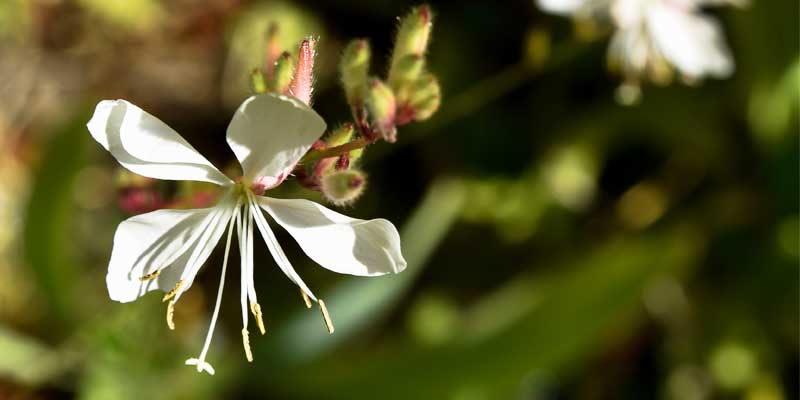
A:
{"points": [[200, 361], [173, 292], [170, 313], [305, 298], [246, 342], [326, 316], [150, 276], [255, 308]]}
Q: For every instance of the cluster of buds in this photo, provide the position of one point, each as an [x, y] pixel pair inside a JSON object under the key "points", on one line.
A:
{"points": [[409, 93]]}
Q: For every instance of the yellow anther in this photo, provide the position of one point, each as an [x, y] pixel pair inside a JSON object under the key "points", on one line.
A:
{"points": [[326, 316], [255, 308], [170, 313], [305, 298], [174, 291], [246, 342], [150, 276]]}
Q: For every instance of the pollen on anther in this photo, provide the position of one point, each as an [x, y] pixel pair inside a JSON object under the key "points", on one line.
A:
{"points": [[170, 313], [174, 291], [246, 342], [255, 308], [305, 298], [150, 276], [326, 316]]}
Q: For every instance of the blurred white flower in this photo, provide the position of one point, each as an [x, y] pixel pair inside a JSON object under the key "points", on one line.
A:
{"points": [[655, 37], [164, 249]]}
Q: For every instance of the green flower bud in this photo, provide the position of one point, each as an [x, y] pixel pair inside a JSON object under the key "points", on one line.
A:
{"points": [[425, 87], [340, 135], [426, 108], [425, 98], [354, 68], [282, 74], [273, 50], [258, 82], [412, 36], [355, 155], [408, 70], [381, 105], [343, 187]]}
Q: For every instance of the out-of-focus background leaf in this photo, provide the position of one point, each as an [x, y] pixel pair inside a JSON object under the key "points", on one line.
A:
{"points": [[560, 245]]}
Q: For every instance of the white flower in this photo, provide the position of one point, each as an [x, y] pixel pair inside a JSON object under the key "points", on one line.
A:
{"points": [[164, 250], [654, 36]]}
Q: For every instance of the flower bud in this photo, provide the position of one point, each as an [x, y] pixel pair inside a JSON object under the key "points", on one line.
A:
{"points": [[340, 135], [343, 187], [426, 108], [301, 86], [425, 87], [258, 82], [408, 70], [273, 50], [423, 102], [412, 36], [354, 68], [381, 106], [282, 74]]}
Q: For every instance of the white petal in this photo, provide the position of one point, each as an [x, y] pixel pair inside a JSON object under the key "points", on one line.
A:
{"points": [[270, 133], [205, 245], [337, 242], [147, 146], [275, 248], [693, 43], [561, 7], [149, 242]]}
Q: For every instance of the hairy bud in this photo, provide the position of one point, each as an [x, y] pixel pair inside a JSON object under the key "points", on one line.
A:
{"points": [[412, 36], [340, 135], [426, 97], [258, 82], [273, 50], [302, 84], [354, 69], [343, 187], [408, 71], [381, 106], [282, 74]]}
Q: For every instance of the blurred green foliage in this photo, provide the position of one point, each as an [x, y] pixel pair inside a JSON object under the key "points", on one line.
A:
{"points": [[560, 245]]}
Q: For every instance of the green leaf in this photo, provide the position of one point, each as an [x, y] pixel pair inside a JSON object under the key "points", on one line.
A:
{"points": [[567, 318], [49, 214]]}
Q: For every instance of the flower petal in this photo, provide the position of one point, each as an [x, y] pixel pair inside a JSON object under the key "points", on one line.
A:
{"points": [[147, 146], [275, 248], [561, 7], [161, 241], [270, 133], [694, 43], [142, 245], [337, 242]]}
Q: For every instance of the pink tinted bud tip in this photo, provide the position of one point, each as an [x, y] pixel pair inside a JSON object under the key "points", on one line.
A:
{"points": [[303, 75]]}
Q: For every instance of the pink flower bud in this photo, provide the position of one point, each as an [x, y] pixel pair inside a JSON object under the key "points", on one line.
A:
{"points": [[301, 86]]}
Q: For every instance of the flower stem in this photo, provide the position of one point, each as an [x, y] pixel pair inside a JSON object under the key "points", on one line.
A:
{"points": [[316, 155]]}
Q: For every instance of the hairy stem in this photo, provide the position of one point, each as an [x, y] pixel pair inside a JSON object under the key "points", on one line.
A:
{"points": [[316, 155]]}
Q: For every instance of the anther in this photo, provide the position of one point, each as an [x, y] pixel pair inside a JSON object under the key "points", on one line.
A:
{"points": [[150, 276], [174, 291], [305, 298], [170, 313], [326, 316], [246, 342], [255, 308]]}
